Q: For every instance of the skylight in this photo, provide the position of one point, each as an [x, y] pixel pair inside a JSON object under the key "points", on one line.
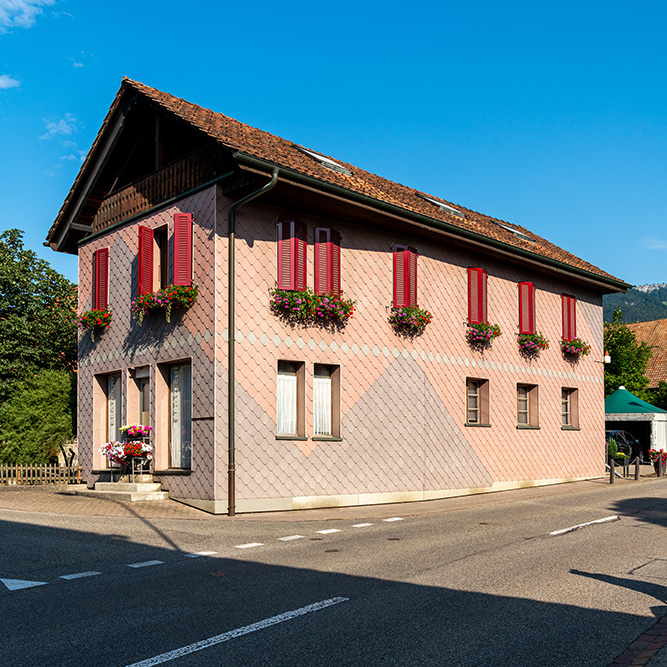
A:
{"points": [[325, 161], [516, 232], [444, 207]]}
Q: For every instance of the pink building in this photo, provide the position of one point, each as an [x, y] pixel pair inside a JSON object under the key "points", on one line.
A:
{"points": [[323, 412]]}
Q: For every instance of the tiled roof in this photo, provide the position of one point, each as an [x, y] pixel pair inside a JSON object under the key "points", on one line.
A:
{"points": [[654, 334], [256, 143]]}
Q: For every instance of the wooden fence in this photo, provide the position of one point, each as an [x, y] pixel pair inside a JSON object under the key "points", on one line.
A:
{"points": [[20, 475]]}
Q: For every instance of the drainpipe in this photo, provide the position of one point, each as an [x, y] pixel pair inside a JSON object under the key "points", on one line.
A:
{"points": [[231, 328]]}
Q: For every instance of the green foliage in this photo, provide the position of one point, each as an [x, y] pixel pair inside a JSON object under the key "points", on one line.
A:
{"points": [[659, 395], [38, 320], [612, 448], [637, 305], [38, 418], [628, 359]]}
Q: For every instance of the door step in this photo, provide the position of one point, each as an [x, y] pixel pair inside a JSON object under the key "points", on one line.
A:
{"points": [[127, 491]]}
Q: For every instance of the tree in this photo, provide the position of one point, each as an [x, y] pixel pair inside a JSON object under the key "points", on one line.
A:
{"points": [[38, 418], [38, 319], [628, 359]]}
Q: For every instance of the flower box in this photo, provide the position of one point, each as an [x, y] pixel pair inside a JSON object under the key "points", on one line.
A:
{"points": [[409, 320], [94, 320], [532, 344], [482, 334], [575, 348], [306, 307], [172, 296], [125, 452]]}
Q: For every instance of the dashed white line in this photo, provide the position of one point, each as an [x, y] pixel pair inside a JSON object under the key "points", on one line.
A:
{"points": [[18, 584], [79, 575], [289, 538], [197, 554], [147, 563], [250, 545], [361, 525], [239, 632], [328, 531], [394, 518], [562, 531]]}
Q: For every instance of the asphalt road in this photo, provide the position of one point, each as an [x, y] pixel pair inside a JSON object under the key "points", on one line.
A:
{"points": [[479, 586]]}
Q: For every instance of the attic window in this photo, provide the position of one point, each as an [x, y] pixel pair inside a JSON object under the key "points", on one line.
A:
{"points": [[325, 161], [444, 207], [516, 232]]}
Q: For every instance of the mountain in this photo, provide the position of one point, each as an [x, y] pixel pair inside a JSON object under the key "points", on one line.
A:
{"points": [[640, 304]]}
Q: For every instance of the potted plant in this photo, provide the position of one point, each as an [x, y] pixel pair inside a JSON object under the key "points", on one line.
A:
{"points": [[409, 320], [94, 320], [482, 334], [658, 457], [531, 345], [622, 459], [172, 296], [575, 348], [309, 308]]}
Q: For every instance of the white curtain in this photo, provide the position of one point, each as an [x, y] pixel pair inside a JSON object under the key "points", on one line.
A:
{"points": [[181, 417], [322, 405], [114, 403], [286, 404]]}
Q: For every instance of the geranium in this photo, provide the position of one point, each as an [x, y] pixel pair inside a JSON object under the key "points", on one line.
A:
{"points": [[123, 452], [172, 296], [481, 334], [97, 318], [409, 320], [532, 344], [135, 430], [575, 348], [657, 455], [307, 307]]}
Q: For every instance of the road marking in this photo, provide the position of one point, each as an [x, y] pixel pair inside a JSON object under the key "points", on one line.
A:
{"points": [[239, 632], [361, 525], [290, 537], [394, 518], [583, 525], [250, 545], [79, 575], [328, 530], [196, 554], [147, 563], [18, 584]]}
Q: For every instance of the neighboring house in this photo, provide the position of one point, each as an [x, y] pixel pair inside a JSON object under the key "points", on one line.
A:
{"points": [[172, 193], [654, 334]]}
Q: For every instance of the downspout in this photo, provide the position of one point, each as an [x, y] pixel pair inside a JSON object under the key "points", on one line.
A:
{"points": [[231, 328]]}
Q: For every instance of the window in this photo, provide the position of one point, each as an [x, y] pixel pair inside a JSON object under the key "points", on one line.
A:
{"points": [[327, 261], [569, 306], [405, 276], [569, 408], [477, 402], [101, 278], [180, 416], [291, 255], [477, 312], [526, 308], [114, 406], [291, 393], [326, 401], [160, 258], [527, 415]]}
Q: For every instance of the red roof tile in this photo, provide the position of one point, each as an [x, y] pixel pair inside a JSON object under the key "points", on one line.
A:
{"points": [[654, 334]]}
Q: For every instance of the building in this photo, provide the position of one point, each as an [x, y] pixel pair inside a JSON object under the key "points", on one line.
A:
{"points": [[350, 413], [654, 334]]}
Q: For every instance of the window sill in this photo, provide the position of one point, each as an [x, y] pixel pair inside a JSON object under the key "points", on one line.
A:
{"points": [[173, 471], [527, 427], [327, 438], [570, 428], [477, 425], [291, 437]]}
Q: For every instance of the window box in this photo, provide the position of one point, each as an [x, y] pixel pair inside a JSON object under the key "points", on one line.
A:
{"points": [[307, 307], [172, 296], [530, 345], [94, 320], [575, 348], [409, 320], [480, 335]]}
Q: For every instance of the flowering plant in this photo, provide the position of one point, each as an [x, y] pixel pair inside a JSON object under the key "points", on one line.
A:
{"points": [[172, 296], [306, 306], [409, 320], [532, 344], [122, 452], [97, 318], [481, 335], [575, 348], [657, 455], [135, 430]]}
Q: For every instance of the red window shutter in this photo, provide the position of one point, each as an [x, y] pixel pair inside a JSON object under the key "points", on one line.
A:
{"points": [[183, 249], [569, 304], [526, 308], [411, 275], [477, 312], [101, 278], [299, 241], [335, 261], [145, 268], [285, 277], [400, 297], [322, 260]]}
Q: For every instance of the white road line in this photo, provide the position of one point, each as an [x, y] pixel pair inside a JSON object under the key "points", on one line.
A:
{"points": [[239, 632], [196, 554], [328, 530], [582, 525], [147, 563], [79, 575], [361, 525], [394, 518], [18, 584], [250, 545], [291, 537]]}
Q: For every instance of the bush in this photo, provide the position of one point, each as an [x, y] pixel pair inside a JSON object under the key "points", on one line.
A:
{"points": [[38, 418]]}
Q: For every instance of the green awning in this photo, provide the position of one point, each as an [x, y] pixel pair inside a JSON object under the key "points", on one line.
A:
{"points": [[623, 402]]}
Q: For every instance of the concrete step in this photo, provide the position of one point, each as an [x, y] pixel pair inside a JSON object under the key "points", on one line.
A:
{"points": [[126, 491], [132, 487]]}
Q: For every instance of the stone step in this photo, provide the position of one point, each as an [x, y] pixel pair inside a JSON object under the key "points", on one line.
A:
{"points": [[132, 487], [131, 496]]}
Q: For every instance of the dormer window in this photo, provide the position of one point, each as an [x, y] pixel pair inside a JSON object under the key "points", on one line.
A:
{"points": [[325, 161], [443, 207], [516, 232]]}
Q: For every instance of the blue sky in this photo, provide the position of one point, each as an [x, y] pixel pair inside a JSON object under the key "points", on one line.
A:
{"points": [[551, 116]]}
